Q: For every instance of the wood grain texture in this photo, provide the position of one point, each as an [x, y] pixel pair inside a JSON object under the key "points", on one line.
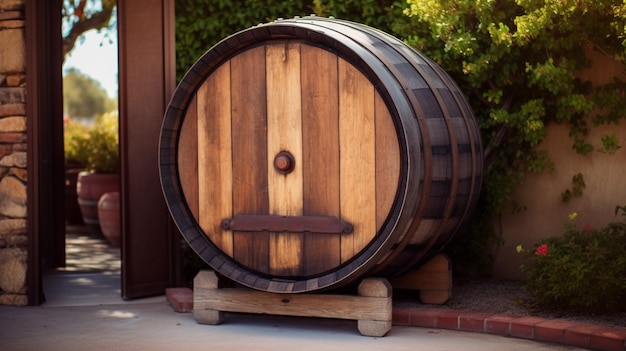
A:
{"points": [[215, 157], [249, 145], [284, 133], [357, 158], [387, 162], [373, 306], [309, 305], [203, 281], [320, 120], [188, 157], [373, 328], [433, 280]]}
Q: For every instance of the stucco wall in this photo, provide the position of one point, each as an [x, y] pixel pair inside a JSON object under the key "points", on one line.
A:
{"points": [[546, 214], [13, 175]]}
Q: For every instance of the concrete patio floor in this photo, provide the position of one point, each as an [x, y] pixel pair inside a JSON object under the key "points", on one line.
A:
{"points": [[154, 326], [84, 311]]}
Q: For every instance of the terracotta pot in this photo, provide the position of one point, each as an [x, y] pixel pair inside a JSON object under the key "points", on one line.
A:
{"points": [[89, 188], [109, 217]]}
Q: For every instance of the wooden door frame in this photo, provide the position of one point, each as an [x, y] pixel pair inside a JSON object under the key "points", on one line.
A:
{"points": [[45, 160], [147, 78]]}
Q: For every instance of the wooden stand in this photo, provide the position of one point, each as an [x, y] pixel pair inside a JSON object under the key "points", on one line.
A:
{"points": [[371, 308], [433, 280]]}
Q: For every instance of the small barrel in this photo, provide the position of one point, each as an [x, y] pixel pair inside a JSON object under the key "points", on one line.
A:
{"points": [[304, 154]]}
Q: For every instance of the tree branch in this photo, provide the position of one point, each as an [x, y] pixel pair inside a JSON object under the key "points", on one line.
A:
{"points": [[492, 150], [98, 20]]}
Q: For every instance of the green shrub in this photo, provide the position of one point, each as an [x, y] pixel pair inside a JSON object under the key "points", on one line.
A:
{"points": [[521, 65], [95, 148], [582, 270], [202, 23]]}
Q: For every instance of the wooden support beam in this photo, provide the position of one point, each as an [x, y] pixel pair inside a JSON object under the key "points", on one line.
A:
{"points": [[433, 280], [372, 308]]}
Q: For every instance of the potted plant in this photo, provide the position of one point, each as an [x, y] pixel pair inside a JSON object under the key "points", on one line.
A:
{"points": [[73, 167], [96, 149]]}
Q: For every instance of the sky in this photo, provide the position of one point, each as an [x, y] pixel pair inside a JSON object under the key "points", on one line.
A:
{"points": [[96, 56]]}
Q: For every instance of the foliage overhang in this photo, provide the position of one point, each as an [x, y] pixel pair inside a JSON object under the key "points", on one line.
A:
{"points": [[520, 63]]}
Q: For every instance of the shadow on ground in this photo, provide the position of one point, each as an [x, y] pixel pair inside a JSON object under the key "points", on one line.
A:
{"points": [[88, 252], [91, 275]]}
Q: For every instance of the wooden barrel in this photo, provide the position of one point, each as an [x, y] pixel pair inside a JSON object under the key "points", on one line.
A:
{"points": [[304, 154]]}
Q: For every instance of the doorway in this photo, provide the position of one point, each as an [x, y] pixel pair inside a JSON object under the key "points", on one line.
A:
{"points": [[150, 242], [90, 267]]}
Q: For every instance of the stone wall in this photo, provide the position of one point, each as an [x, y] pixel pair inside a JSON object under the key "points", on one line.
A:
{"points": [[13, 174]]}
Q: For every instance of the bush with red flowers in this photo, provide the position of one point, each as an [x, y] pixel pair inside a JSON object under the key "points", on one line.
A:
{"points": [[581, 270]]}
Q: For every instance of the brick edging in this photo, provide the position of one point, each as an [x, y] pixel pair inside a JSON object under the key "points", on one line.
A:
{"points": [[563, 332]]}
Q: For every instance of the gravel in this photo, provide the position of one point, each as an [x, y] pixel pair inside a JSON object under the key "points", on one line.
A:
{"points": [[500, 296]]}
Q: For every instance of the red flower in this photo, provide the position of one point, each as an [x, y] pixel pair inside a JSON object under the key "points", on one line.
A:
{"points": [[542, 250]]}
